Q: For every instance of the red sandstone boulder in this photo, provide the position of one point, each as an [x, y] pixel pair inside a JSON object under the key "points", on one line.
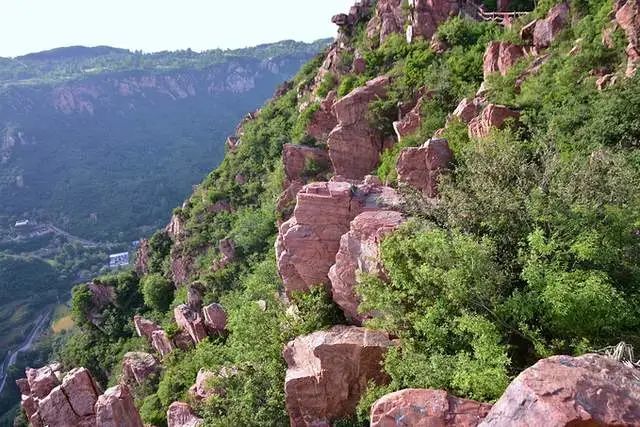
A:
{"points": [[493, 116], [175, 228], [101, 296], [308, 242], [328, 371], [180, 414], [142, 258], [354, 147], [500, 57], [628, 18], [389, 19], [547, 29], [411, 122], [323, 120], [564, 391], [191, 322], [144, 327], [202, 389], [41, 381], [300, 161], [468, 109], [161, 342], [215, 319], [426, 408], [287, 201], [360, 253], [181, 266], [138, 366], [70, 403], [116, 408], [427, 15], [421, 167]]}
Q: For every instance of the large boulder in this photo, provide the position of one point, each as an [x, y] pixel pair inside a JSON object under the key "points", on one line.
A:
{"points": [[468, 109], [42, 380], [145, 327], [308, 242], [354, 147], [328, 371], [493, 116], [323, 120], [628, 19], [180, 414], [202, 389], [426, 408], [175, 228], [71, 403], [500, 57], [301, 161], [426, 15], [101, 296], [142, 258], [542, 32], [360, 253], [161, 343], [564, 391], [215, 319], [389, 19], [137, 366], [190, 321], [116, 408], [410, 123], [421, 167]]}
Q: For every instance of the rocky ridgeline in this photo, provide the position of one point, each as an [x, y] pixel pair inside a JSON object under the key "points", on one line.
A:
{"points": [[333, 217]]}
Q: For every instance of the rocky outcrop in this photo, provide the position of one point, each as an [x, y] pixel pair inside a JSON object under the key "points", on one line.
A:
{"points": [[190, 321], [116, 408], [161, 343], [500, 57], [301, 162], [493, 116], [542, 32], [181, 266], [410, 123], [354, 147], [144, 327], [175, 228], [424, 407], [202, 389], [54, 403], [142, 258], [180, 414], [195, 293], [628, 19], [360, 253], [468, 109], [328, 371], [421, 167], [323, 119], [421, 19], [566, 391], [227, 250], [308, 242], [101, 296], [138, 366], [215, 319]]}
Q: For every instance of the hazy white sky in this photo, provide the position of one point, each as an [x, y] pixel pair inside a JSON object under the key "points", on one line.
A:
{"points": [[153, 25]]}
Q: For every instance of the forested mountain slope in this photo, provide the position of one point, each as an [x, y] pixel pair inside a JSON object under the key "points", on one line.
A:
{"points": [[433, 225], [102, 142]]}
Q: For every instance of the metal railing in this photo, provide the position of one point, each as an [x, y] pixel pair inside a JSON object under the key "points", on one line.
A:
{"points": [[477, 11]]}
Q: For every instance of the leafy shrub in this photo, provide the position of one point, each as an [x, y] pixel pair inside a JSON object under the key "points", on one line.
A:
{"points": [[157, 292]]}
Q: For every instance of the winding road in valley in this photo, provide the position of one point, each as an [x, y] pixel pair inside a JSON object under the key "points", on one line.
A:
{"points": [[12, 356]]}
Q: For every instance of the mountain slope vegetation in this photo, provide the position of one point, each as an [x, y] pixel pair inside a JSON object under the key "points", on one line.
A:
{"points": [[530, 249]]}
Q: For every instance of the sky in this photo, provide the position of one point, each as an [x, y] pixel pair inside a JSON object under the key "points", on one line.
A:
{"points": [[154, 25]]}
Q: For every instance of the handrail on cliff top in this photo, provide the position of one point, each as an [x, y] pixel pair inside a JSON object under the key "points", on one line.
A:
{"points": [[499, 17]]}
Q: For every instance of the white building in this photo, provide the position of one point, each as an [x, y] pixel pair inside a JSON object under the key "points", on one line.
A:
{"points": [[119, 260], [22, 223]]}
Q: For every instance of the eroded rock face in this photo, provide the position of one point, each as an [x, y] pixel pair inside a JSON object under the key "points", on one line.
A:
{"points": [[227, 249], [389, 19], [191, 322], [360, 253], [138, 366], [215, 319], [202, 390], [327, 372], [468, 109], [354, 147], [300, 161], [161, 343], [500, 57], [323, 120], [542, 32], [564, 391], [101, 296], [116, 408], [142, 258], [427, 15], [426, 408], [410, 123], [493, 116], [175, 228], [144, 327], [308, 242], [421, 167], [628, 18], [53, 403], [180, 414]]}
